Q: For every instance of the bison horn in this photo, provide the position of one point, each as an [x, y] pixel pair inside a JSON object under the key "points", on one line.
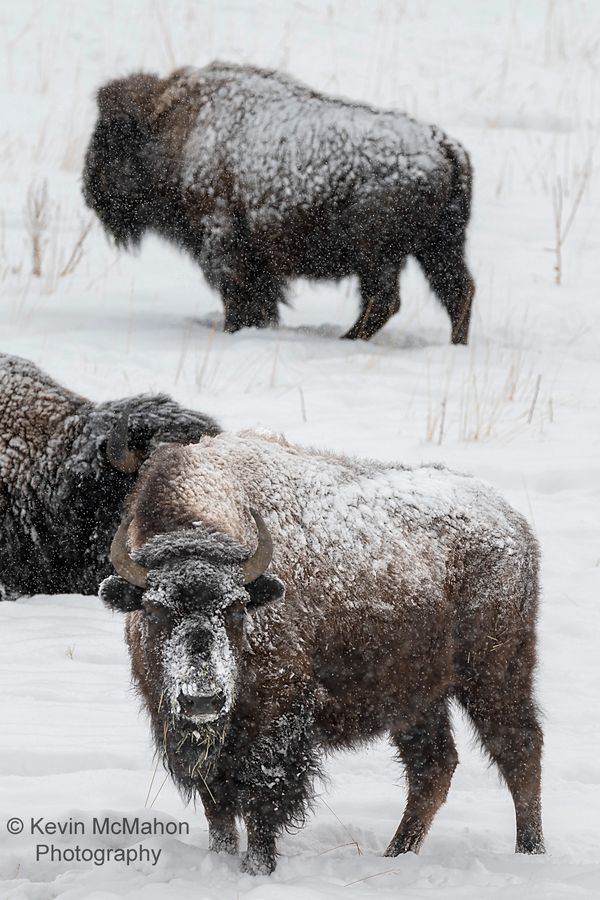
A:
{"points": [[260, 559], [118, 453], [122, 562]]}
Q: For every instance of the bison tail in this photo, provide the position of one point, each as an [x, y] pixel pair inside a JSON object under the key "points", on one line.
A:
{"points": [[442, 251], [461, 188]]}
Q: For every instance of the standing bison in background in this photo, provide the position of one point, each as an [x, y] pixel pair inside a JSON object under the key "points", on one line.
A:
{"points": [[263, 180], [405, 588], [66, 466]]}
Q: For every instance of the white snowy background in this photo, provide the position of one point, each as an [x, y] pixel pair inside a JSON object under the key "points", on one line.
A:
{"points": [[519, 84]]}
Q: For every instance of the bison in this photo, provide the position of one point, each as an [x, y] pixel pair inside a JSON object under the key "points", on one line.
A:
{"points": [[66, 466], [286, 602], [263, 180]]}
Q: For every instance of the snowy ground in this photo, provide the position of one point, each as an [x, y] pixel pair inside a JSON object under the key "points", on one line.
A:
{"points": [[517, 83]]}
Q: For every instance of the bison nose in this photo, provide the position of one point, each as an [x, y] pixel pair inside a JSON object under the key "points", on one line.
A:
{"points": [[209, 706]]}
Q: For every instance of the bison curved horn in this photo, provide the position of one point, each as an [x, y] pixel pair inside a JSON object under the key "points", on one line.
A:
{"points": [[260, 559], [118, 453], [122, 562]]}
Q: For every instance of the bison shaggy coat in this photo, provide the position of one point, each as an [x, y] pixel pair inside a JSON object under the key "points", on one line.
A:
{"points": [[405, 589], [263, 180], [66, 466]]}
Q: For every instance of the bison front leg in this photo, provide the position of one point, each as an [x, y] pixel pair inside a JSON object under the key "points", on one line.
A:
{"points": [[261, 855], [277, 777], [233, 265], [220, 812], [268, 810], [429, 756]]}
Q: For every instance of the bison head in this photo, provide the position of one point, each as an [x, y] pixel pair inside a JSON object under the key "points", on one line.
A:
{"points": [[135, 427], [191, 592], [120, 170]]}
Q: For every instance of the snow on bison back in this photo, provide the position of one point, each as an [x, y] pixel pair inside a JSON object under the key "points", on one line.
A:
{"points": [[263, 180]]}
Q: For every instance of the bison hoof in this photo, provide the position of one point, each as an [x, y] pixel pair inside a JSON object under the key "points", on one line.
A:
{"points": [[530, 843], [355, 334], [407, 840], [254, 863], [235, 323], [396, 849], [223, 842]]}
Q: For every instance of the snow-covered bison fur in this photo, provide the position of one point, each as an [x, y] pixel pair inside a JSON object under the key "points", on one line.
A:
{"points": [[405, 589], [66, 466], [263, 180]]}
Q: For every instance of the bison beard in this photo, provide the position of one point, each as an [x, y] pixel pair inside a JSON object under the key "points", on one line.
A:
{"points": [[262, 181], [405, 589]]}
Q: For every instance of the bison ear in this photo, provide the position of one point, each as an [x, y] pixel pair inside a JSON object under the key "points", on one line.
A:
{"points": [[119, 595], [264, 589]]}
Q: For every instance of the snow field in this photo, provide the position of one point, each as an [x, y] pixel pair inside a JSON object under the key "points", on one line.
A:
{"points": [[516, 84]]}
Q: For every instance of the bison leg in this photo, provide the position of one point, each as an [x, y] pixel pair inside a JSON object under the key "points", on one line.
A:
{"points": [[261, 855], [276, 777], [380, 299], [251, 297], [269, 809], [233, 265], [507, 723], [220, 815], [429, 755], [443, 261]]}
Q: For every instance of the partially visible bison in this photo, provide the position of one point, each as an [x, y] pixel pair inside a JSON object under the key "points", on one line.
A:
{"points": [[263, 180], [66, 465], [285, 602]]}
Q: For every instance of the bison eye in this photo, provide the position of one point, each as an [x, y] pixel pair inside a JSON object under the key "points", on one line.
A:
{"points": [[156, 613], [237, 611]]}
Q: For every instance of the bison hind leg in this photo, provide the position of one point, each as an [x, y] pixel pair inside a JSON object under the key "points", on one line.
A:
{"points": [[442, 258], [506, 720], [429, 755]]}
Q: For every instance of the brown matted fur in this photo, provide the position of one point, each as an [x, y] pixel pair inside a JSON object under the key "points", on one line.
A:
{"points": [[405, 589]]}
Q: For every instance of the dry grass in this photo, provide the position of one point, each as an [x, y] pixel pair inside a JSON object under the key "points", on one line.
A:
{"points": [[566, 38], [37, 218], [54, 253], [495, 398], [202, 371], [563, 219], [352, 842], [77, 252]]}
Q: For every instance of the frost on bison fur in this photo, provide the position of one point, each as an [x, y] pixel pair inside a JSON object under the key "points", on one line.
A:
{"points": [[66, 465], [405, 589], [263, 180]]}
